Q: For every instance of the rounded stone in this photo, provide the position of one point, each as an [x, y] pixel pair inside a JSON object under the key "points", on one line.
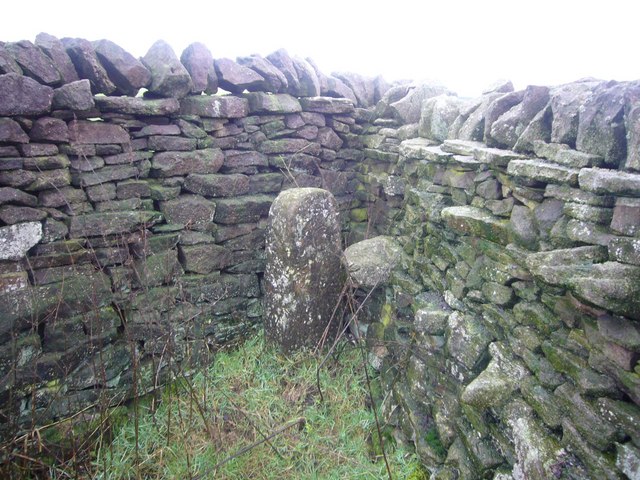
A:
{"points": [[303, 275]]}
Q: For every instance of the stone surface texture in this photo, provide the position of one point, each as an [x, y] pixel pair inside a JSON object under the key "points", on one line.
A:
{"points": [[304, 273]]}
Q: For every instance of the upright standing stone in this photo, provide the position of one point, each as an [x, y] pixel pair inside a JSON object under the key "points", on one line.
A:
{"points": [[303, 276]]}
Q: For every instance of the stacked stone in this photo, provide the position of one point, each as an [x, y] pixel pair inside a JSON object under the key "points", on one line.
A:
{"points": [[515, 323], [132, 228]]}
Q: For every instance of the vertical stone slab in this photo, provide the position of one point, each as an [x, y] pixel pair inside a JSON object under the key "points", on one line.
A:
{"points": [[303, 275]]}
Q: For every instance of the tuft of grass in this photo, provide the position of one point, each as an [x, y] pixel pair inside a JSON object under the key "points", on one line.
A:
{"points": [[257, 414]]}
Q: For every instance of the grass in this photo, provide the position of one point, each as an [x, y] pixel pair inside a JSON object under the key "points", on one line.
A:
{"points": [[214, 424]]}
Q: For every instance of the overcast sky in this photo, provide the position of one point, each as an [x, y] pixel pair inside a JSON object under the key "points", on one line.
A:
{"points": [[463, 44]]}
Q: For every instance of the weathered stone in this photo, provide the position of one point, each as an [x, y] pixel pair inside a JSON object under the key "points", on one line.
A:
{"points": [[204, 258], [508, 127], [625, 250], [235, 78], [50, 179], [467, 339], [370, 262], [275, 80], [536, 315], [74, 96], [7, 62], [125, 71], [283, 62], [290, 145], [169, 78], [11, 131], [103, 175], [437, 115], [228, 185], [628, 460], [34, 62], [192, 211], [473, 120], [538, 170], [408, 109], [497, 382], [87, 64], [547, 265], [61, 197], [588, 213], [538, 453], [245, 209], [632, 161], [604, 181], [338, 89], [612, 285], [363, 89], [198, 61], [21, 95], [163, 143], [560, 153], [566, 102], [309, 83], [15, 196], [566, 193], [303, 275], [170, 164], [495, 109], [16, 240], [83, 131], [54, 49], [601, 128], [538, 130], [280, 103], [49, 129], [327, 105], [215, 106], [476, 222], [138, 106], [100, 224], [626, 216]]}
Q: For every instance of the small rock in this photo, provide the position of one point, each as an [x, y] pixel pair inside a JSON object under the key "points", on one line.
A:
{"points": [[87, 65], [604, 181], [83, 131], [235, 78], [74, 96], [34, 62], [169, 78], [54, 49], [16, 240], [601, 128], [309, 83], [138, 106], [49, 129], [20, 95], [215, 106], [198, 61], [128, 73], [370, 262], [283, 62], [274, 79], [11, 131]]}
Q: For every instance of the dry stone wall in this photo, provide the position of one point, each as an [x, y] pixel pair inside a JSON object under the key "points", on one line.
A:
{"points": [[132, 241], [132, 227], [508, 340]]}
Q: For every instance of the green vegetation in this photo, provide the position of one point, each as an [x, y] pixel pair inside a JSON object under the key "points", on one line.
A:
{"points": [[214, 424]]}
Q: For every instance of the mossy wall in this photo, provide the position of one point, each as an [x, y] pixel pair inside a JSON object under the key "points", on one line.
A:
{"points": [[508, 341], [132, 242]]}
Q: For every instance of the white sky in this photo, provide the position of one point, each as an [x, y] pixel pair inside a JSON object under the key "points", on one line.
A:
{"points": [[464, 44]]}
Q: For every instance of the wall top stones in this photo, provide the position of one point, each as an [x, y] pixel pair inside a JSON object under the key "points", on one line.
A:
{"points": [[34, 69]]}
